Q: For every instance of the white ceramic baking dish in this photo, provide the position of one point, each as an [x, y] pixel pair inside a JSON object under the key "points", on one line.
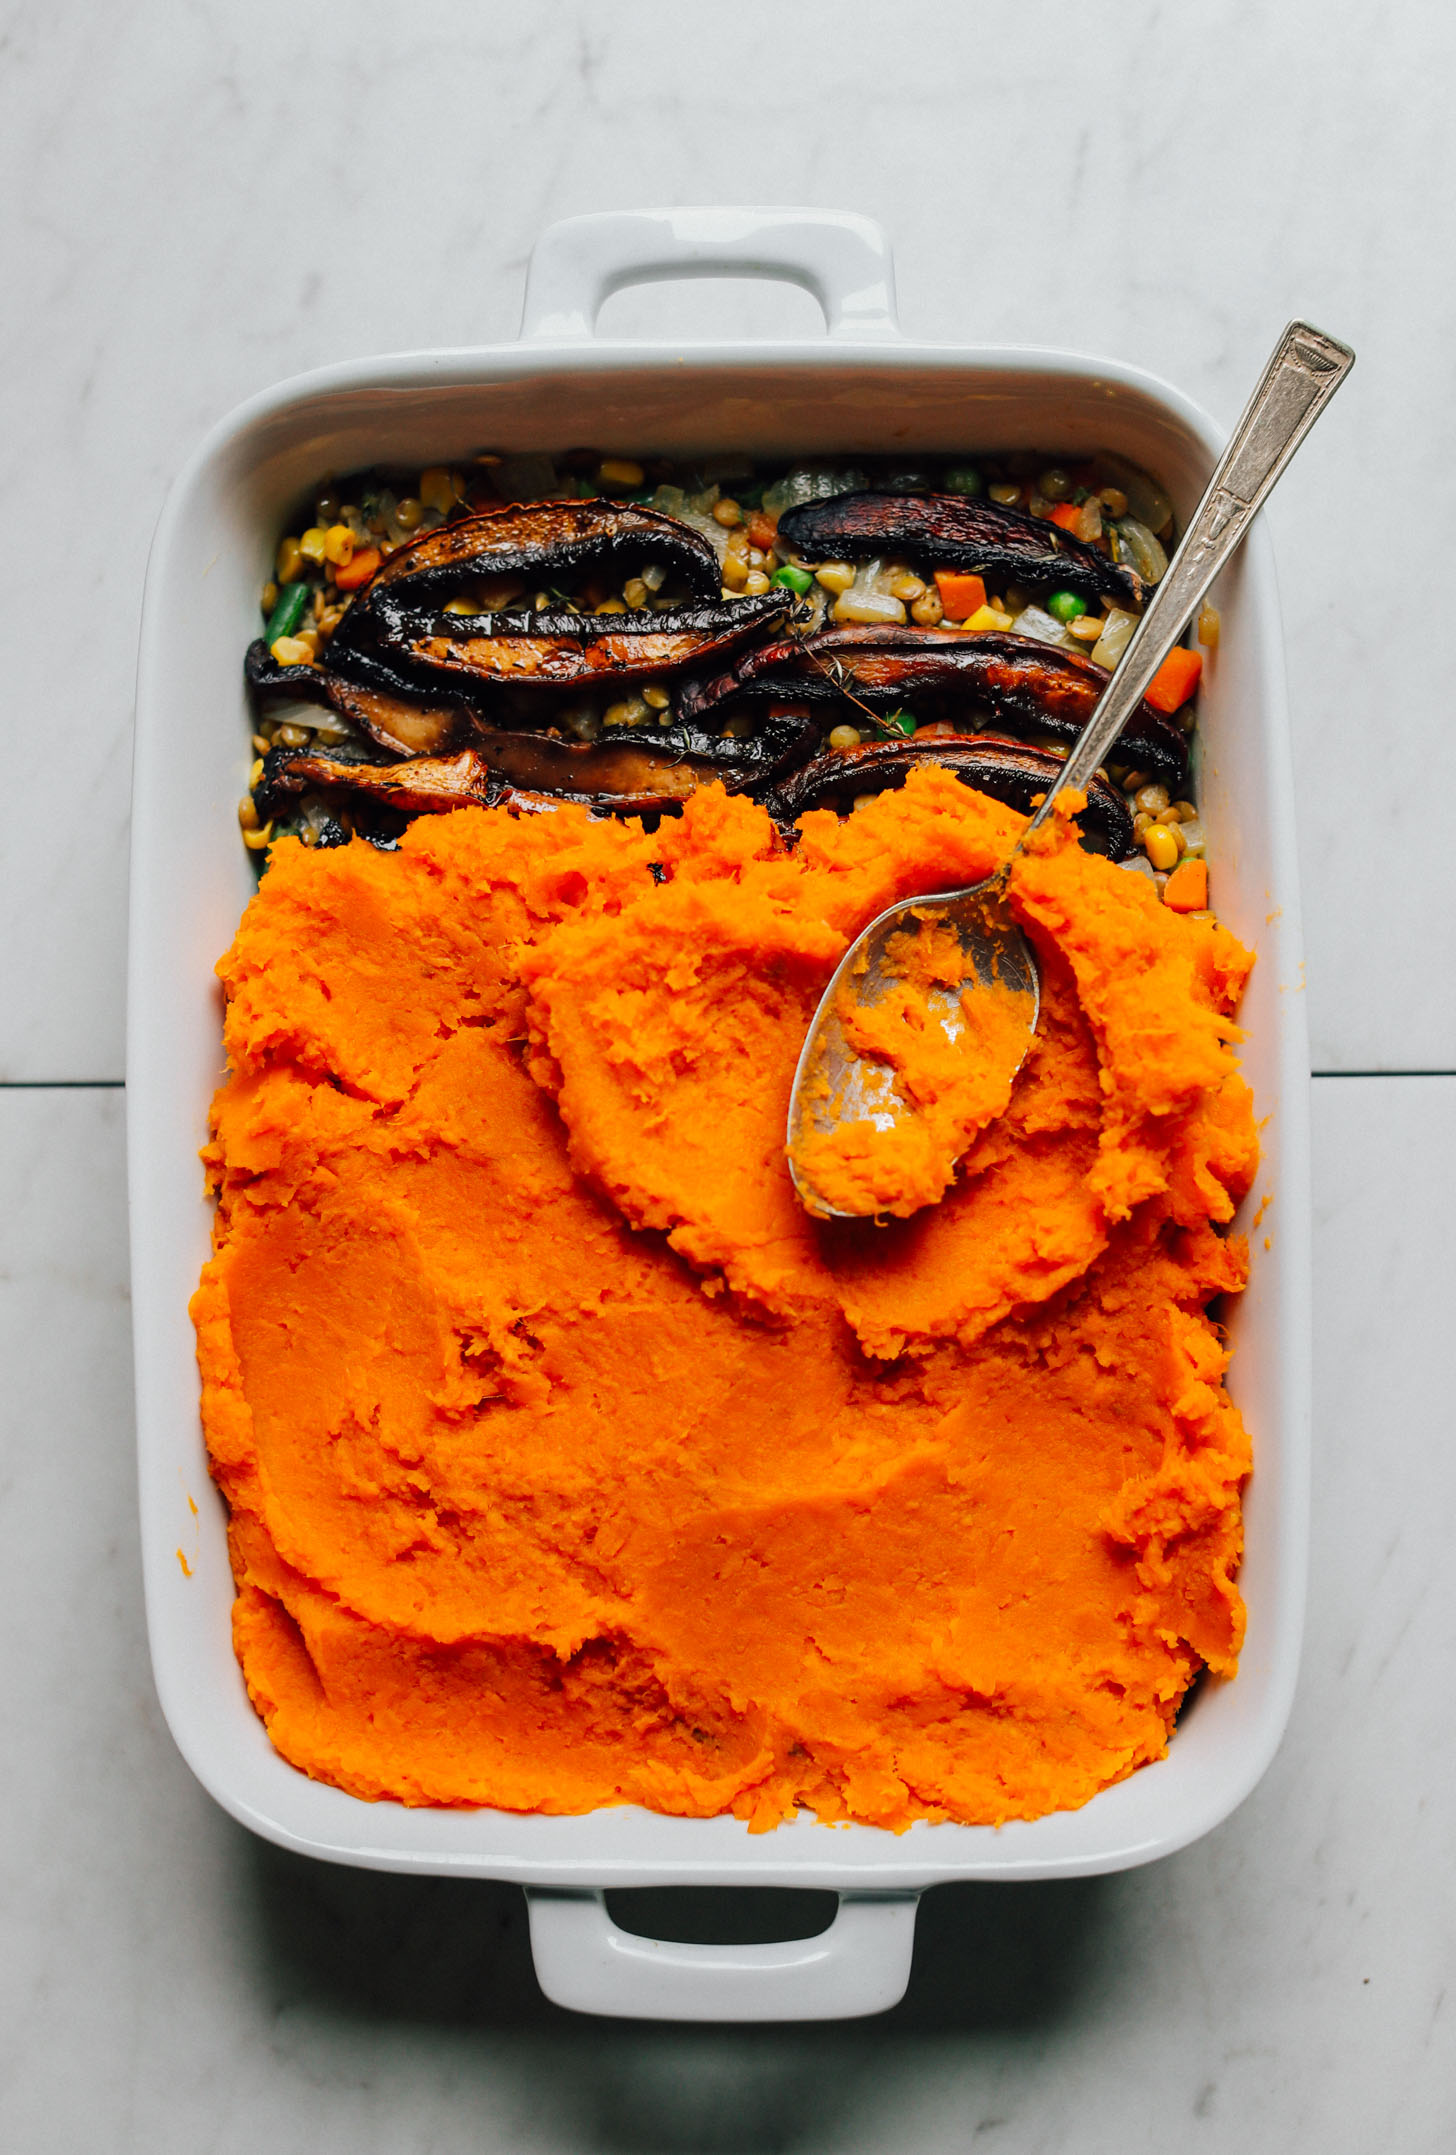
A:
{"points": [[861, 387]]}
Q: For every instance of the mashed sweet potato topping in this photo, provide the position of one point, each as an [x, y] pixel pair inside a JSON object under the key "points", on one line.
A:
{"points": [[570, 1462]]}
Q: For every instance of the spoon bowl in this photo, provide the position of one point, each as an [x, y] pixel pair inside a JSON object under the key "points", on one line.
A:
{"points": [[850, 1110]]}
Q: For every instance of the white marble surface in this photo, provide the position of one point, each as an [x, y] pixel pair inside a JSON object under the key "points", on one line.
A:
{"points": [[197, 201], [168, 1984]]}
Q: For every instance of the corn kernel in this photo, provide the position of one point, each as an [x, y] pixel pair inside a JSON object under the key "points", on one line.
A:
{"points": [[735, 573], [248, 812], [437, 490], [630, 711], [269, 598], [1187, 813], [313, 544], [756, 583], [845, 737], [291, 651], [1006, 495], [1153, 799], [255, 772], [619, 471], [612, 606], [1087, 628], [1161, 846], [256, 840], [461, 606], [655, 696], [727, 513], [634, 591], [292, 737], [261, 744], [338, 545], [1209, 624], [835, 576], [288, 562]]}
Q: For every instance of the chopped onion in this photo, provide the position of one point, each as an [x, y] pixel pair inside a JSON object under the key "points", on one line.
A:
{"points": [[868, 607], [1115, 637], [672, 501], [812, 482], [1195, 838], [1146, 499], [1035, 621], [1140, 865], [1136, 544], [869, 599]]}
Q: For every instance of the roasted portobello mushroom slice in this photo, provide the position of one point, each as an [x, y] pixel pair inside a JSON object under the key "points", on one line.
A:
{"points": [[545, 540], [1021, 682], [386, 714], [992, 763], [637, 770], [956, 531], [389, 640]]}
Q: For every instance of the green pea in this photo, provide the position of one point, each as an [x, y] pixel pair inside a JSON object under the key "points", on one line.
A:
{"points": [[962, 479], [791, 579], [1066, 606], [288, 612]]}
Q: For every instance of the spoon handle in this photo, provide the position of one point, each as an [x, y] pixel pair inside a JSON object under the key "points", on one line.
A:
{"points": [[1306, 369]]}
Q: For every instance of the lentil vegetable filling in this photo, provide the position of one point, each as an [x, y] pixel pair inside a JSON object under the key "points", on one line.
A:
{"points": [[531, 613]]}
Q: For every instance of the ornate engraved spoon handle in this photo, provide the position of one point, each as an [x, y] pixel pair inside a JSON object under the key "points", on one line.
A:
{"points": [[1304, 373]]}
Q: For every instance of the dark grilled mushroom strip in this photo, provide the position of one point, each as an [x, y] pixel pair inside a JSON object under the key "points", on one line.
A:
{"points": [[955, 531], [545, 540], [385, 715], [989, 762], [641, 768], [1022, 683], [464, 653]]}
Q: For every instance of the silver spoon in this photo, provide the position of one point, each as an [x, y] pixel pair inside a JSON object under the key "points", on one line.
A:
{"points": [[834, 1085]]}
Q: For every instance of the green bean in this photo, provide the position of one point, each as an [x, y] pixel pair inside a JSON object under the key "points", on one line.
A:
{"points": [[288, 612]]}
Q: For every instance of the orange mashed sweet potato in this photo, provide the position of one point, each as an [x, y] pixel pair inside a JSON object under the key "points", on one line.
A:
{"points": [[570, 1462]]}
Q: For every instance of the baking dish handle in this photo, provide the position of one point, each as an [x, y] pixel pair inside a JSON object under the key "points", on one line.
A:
{"points": [[842, 260], [860, 1965]]}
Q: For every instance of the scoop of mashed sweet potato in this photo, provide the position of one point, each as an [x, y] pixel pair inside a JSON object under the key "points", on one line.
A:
{"points": [[570, 1462]]}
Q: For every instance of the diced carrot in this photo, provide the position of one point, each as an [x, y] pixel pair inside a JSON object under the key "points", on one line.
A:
{"points": [[1186, 889], [761, 531], [1069, 515], [961, 594], [1175, 680], [358, 571]]}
